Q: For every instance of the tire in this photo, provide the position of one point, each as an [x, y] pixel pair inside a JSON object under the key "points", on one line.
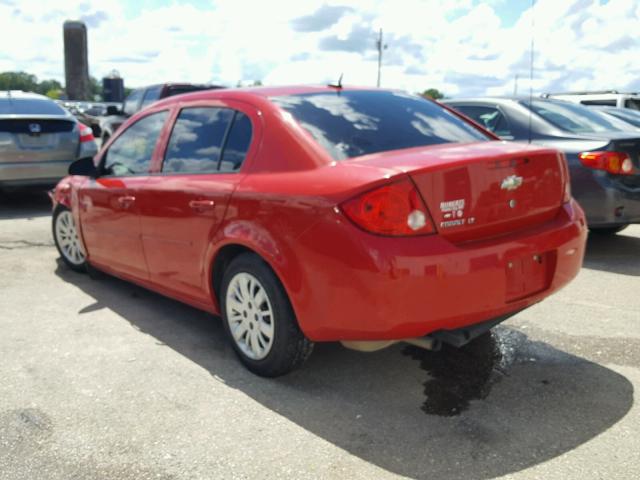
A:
{"points": [[607, 230], [259, 319], [66, 239]]}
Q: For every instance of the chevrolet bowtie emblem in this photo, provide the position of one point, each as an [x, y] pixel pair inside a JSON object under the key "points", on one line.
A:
{"points": [[511, 182]]}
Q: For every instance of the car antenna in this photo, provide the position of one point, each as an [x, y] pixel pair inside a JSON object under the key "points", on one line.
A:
{"points": [[339, 84], [533, 5]]}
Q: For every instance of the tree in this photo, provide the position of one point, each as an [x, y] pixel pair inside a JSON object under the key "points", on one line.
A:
{"points": [[95, 88], [18, 81], [55, 94], [46, 86], [433, 93]]}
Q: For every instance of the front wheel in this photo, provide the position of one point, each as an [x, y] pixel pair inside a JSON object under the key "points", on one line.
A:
{"points": [[65, 236], [259, 319], [608, 230]]}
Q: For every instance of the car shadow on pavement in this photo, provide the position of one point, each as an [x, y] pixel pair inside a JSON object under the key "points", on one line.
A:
{"points": [[613, 253], [24, 203], [541, 402]]}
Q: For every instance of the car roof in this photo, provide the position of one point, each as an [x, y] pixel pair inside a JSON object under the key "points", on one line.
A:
{"points": [[22, 95], [257, 92]]}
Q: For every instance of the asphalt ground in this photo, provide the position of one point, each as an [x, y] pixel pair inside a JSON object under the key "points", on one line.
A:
{"points": [[100, 379]]}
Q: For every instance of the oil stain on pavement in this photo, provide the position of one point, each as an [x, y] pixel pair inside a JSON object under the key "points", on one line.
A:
{"points": [[457, 376]]}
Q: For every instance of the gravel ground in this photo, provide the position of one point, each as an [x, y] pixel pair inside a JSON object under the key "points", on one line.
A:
{"points": [[100, 379]]}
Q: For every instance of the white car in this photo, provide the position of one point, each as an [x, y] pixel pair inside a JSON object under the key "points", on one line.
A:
{"points": [[606, 98]]}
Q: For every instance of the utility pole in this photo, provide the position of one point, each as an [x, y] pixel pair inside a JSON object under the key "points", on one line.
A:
{"points": [[515, 86], [380, 46]]}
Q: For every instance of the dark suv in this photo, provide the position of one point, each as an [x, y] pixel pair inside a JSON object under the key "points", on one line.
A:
{"points": [[142, 97]]}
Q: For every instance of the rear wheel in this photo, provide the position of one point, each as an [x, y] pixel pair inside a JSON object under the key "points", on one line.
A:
{"points": [[608, 230], [259, 320], [65, 236]]}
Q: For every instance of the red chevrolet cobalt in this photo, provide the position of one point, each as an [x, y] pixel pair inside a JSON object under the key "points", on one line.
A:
{"points": [[308, 214]]}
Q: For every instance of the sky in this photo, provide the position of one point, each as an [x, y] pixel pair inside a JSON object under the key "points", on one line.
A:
{"points": [[460, 47]]}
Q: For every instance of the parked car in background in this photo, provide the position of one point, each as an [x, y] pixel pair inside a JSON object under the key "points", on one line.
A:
{"points": [[141, 98], [304, 214], [625, 114], [603, 159], [38, 140], [91, 114], [604, 98]]}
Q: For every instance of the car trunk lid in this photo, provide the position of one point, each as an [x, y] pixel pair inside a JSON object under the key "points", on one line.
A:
{"points": [[482, 190], [28, 140]]}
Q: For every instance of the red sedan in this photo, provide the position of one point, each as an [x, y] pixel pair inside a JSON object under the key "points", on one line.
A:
{"points": [[308, 214]]}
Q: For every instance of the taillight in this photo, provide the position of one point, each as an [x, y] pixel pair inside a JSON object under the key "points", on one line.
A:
{"points": [[396, 210], [86, 134], [617, 163]]}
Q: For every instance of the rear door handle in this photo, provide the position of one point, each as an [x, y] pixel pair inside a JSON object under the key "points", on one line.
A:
{"points": [[202, 205], [126, 201]]}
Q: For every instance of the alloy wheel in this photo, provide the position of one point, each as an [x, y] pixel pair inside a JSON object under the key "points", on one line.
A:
{"points": [[250, 316], [67, 238]]}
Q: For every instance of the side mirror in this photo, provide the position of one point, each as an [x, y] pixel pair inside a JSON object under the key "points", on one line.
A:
{"points": [[84, 167], [113, 110]]}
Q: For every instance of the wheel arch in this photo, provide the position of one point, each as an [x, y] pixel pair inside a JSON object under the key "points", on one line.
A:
{"points": [[283, 264]]}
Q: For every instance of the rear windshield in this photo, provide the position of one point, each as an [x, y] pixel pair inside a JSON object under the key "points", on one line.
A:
{"points": [[628, 115], [358, 122], [571, 117], [29, 106]]}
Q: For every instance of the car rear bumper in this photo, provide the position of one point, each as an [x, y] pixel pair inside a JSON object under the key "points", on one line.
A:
{"points": [[33, 173], [607, 202], [359, 286]]}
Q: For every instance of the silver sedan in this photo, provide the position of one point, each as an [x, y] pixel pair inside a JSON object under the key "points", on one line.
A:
{"points": [[38, 140]]}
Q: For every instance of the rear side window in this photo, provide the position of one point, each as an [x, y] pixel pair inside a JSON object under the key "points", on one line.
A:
{"points": [[30, 106], [352, 123], [237, 144], [490, 118], [131, 152], [196, 140]]}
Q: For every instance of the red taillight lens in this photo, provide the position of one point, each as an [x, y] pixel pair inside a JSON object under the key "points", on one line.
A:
{"points": [[86, 134], [617, 163], [396, 210]]}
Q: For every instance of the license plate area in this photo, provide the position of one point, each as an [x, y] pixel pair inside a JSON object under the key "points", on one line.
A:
{"points": [[38, 141], [529, 274]]}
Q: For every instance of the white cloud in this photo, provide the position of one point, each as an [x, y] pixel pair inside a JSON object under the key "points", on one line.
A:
{"points": [[458, 46]]}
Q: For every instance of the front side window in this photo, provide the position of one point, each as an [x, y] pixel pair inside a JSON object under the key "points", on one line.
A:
{"points": [[352, 123], [489, 117], [151, 95], [132, 101], [131, 152], [571, 117], [196, 140]]}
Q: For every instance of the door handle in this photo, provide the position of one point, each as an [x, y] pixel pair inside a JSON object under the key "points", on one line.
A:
{"points": [[126, 201], [202, 205]]}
